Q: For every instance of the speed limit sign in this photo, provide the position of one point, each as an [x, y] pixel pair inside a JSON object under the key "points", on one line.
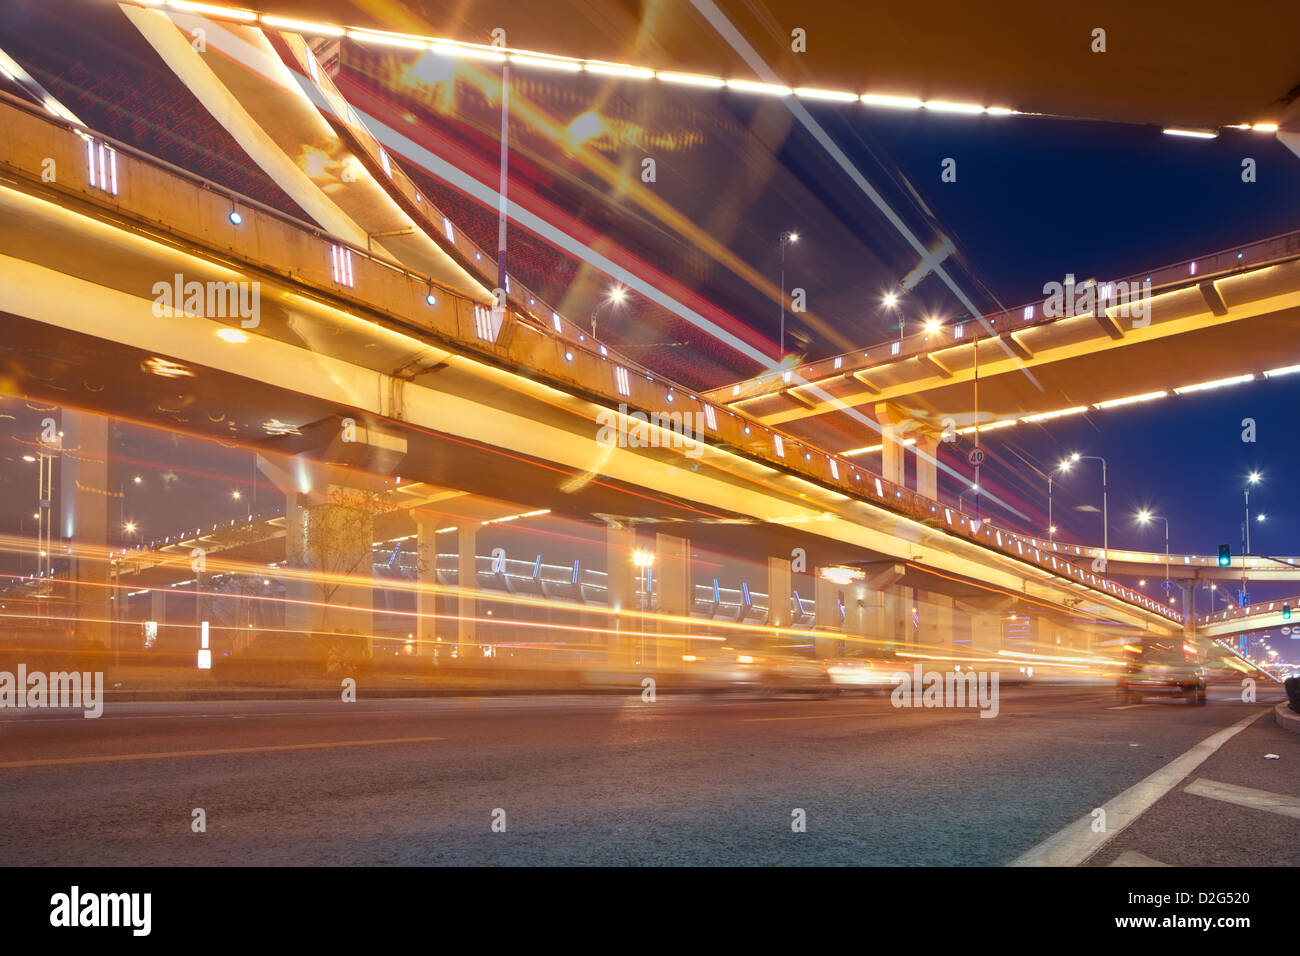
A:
{"points": [[976, 457]]}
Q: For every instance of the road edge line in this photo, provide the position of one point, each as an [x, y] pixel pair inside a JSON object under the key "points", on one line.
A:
{"points": [[1076, 842]]}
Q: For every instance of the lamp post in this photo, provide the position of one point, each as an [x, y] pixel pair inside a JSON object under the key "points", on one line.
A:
{"points": [[1105, 514], [1143, 518], [1051, 525], [616, 296], [1251, 479], [785, 237]]}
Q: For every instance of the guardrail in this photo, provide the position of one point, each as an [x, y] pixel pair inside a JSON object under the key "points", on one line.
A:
{"points": [[968, 330]]}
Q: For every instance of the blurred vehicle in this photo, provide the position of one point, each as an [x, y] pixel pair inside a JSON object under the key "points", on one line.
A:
{"points": [[861, 674], [1166, 668]]}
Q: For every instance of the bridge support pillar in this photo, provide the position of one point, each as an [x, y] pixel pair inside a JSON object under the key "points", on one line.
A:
{"points": [[672, 573], [83, 521], [936, 614], [426, 577], [158, 608], [778, 594], [893, 422], [829, 634], [329, 534], [927, 466], [620, 582], [1188, 600]]}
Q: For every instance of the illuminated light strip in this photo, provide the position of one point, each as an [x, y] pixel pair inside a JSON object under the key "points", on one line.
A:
{"points": [[230, 13], [690, 79], [808, 93], [617, 69], [894, 102], [990, 426], [546, 61], [1116, 402], [1217, 383], [943, 106], [526, 514], [530, 58], [472, 50], [1060, 413], [389, 39], [302, 26], [1286, 370], [1194, 133], [752, 86]]}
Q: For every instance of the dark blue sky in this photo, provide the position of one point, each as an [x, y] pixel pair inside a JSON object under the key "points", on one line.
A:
{"points": [[1036, 198]]}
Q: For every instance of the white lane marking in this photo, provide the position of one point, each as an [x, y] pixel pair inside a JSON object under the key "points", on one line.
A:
{"points": [[1074, 843], [1126, 706], [1281, 803], [1134, 858]]}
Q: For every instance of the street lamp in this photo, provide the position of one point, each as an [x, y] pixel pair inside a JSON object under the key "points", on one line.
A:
{"points": [[974, 489], [1251, 479], [1105, 514], [785, 237], [1144, 517], [1051, 525], [616, 296]]}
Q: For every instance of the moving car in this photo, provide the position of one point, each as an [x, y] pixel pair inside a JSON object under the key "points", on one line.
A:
{"points": [[1162, 668]]}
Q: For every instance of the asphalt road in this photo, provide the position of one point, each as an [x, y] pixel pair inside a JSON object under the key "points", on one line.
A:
{"points": [[613, 780]]}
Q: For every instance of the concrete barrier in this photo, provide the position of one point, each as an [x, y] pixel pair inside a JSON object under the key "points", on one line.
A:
{"points": [[1287, 718]]}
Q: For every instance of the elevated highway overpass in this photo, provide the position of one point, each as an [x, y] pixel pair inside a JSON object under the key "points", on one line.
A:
{"points": [[81, 264], [1213, 322]]}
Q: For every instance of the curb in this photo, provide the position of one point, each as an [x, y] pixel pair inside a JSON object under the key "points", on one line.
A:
{"points": [[1287, 718]]}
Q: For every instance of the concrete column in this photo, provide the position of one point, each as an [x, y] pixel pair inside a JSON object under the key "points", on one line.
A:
{"points": [[893, 423], [1188, 589], [620, 544], [874, 624], [329, 535], [936, 619], [828, 635], [897, 617], [986, 631], [672, 573], [927, 471], [82, 520], [467, 583], [778, 592], [426, 598]]}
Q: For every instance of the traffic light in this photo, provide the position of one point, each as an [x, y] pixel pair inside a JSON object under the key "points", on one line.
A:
{"points": [[1225, 556], [1286, 612]]}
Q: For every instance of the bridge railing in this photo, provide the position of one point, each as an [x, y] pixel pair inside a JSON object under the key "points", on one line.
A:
{"points": [[187, 210], [1188, 272]]}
